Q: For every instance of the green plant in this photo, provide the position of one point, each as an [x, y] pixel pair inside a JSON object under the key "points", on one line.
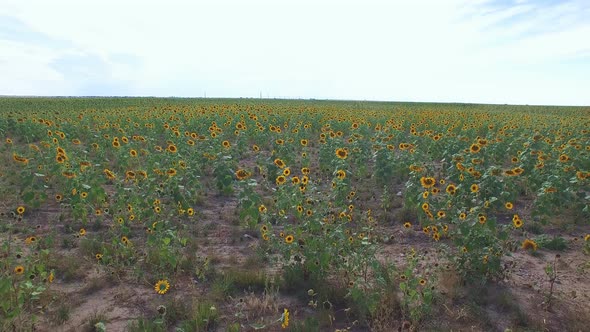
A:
{"points": [[417, 288], [551, 272], [556, 243]]}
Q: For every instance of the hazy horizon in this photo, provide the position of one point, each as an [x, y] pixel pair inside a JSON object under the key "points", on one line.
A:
{"points": [[484, 52]]}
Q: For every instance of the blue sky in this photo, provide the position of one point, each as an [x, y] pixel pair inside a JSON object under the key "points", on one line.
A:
{"points": [[508, 51]]}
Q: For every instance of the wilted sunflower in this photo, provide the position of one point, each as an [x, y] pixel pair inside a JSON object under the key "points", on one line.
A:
{"points": [[162, 286], [529, 244]]}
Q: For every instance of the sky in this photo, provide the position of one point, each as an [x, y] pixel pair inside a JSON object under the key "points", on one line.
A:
{"points": [[475, 51]]}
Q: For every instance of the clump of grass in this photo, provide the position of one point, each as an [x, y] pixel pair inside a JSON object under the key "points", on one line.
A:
{"points": [[94, 322], [143, 325], [233, 281], [556, 243], [204, 317]]}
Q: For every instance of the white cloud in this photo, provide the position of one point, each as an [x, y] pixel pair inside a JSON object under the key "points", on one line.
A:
{"points": [[458, 50]]}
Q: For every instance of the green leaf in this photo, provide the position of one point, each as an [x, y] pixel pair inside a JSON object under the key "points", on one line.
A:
{"points": [[28, 197]]}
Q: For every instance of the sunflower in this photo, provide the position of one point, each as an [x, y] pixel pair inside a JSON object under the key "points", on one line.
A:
{"points": [[125, 240], [171, 148], [305, 180], [422, 282], [474, 188], [190, 211], [340, 174], [280, 163], [98, 256], [305, 171], [587, 237], [289, 239], [58, 197], [285, 319], [475, 148], [441, 214], [509, 172], [482, 219], [303, 142], [82, 232], [286, 171], [451, 189], [341, 153], [20, 159], [110, 175], [19, 269], [407, 224], [262, 208], [563, 158], [436, 236], [20, 210], [162, 286], [508, 205], [171, 172], [529, 244], [242, 174], [295, 180], [427, 182], [280, 180], [425, 206], [425, 194]]}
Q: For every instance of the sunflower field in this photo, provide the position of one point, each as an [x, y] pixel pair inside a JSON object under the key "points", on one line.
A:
{"points": [[147, 214]]}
